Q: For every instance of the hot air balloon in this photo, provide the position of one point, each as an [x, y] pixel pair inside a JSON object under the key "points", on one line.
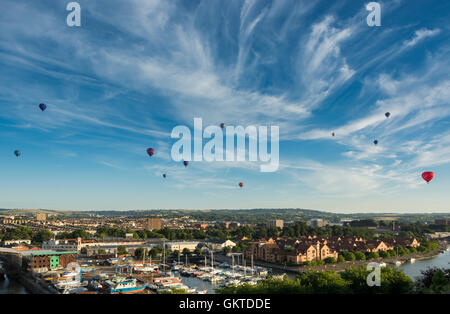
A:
{"points": [[387, 114], [241, 184], [43, 107], [222, 125], [428, 176], [185, 163], [333, 134], [17, 153], [375, 142], [150, 152], [164, 175]]}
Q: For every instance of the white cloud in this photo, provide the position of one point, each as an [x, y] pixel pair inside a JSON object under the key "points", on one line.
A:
{"points": [[420, 35]]}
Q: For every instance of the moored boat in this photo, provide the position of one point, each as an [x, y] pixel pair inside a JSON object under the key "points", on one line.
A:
{"points": [[128, 286]]}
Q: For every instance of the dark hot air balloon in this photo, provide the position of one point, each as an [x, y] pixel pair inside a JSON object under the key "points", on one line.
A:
{"points": [[150, 152], [241, 184], [164, 176], [185, 163], [43, 107], [17, 153], [375, 142], [387, 114], [333, 134], [222, 125], [428, 176]]}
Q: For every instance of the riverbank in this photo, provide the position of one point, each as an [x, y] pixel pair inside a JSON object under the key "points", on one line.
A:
{"points": [[339, 267]]}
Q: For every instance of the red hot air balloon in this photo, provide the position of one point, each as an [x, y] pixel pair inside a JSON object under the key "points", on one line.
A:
{"points": [[150, 152], [241, 184], [222, 125], [428, 176]]}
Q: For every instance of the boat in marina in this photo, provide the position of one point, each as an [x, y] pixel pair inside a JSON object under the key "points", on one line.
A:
{"points": [[412, 260], [127, 286], [145, 268]]}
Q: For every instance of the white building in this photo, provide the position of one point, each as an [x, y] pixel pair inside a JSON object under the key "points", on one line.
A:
{"points": [[181, 245], [9, 242], [219, 245]]}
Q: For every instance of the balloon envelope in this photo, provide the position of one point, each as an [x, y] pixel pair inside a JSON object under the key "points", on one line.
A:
{"points": [[222, 125], [150, 152], [17, 153], [43, 107], [375, 142], [241, 184], [185, 163], [387, 114], [333, 134], [164, 176], [428, 176]]}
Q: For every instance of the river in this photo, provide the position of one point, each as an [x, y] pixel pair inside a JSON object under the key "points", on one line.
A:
{"points": [[11, 286], [413, 270]]}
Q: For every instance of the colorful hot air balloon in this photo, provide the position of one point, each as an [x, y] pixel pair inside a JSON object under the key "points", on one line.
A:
{"points": [[150, 152], [164, 175], [17, 153], [387, 114], [222, 125], [428, 176], [375, 142], [241, 184], [43, 107], [185, 163]]}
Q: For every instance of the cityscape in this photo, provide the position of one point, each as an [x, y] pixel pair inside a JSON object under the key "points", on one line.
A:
{"points": [[224, 155], [195, 252]]}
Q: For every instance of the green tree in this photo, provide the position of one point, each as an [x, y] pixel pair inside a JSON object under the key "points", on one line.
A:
{"points": [[122, 250], [41, 236], [360, 256]]}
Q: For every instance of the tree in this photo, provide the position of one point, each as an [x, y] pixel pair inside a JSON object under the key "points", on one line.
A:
{"points": [[360, 256], [186, 251], [122, 250], [139, 253], [372, 255], [41, 236], [349, 256], [384, 254], [330, 260], [340, 259]]}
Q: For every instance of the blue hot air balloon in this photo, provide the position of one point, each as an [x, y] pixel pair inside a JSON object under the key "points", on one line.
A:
{"points": [[375, 142], [17, 153], [164, 175], [43, 107], [387, 114]]}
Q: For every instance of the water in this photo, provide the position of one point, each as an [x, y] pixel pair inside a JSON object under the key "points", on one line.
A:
{"points": [[414, 270], [199, 284], [11, 286]]}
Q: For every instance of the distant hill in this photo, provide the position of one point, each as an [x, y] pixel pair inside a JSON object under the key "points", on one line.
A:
{"points": [[243, 215]]}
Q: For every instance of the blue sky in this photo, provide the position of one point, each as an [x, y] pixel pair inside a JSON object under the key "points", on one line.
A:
{"points": [[136, 69]]}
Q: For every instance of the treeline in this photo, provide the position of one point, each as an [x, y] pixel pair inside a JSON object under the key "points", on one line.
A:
{"points": [[350, 281], [251, 233], [25, 233]]}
